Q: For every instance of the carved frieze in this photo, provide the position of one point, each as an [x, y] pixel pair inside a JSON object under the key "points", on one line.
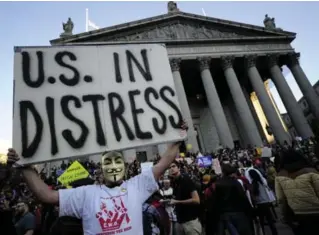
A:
{"points": [[218, 50], [175, 31], [204, 63], [175, 64]]}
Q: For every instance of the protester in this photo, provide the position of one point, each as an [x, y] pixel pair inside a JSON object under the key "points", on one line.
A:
{"points": [[232, 205], [24, 221], [205, 179], [297, 190], [262, 197], [103, 208], [186, 201]]}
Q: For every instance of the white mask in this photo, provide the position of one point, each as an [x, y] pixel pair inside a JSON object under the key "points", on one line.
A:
{"points": [[113, 167]]}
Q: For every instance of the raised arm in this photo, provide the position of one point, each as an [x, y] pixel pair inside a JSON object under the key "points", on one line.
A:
{"points": [[35, 184], [168, 157]]}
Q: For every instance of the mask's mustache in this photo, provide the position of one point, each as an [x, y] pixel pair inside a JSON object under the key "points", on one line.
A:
{"points": [[114, 170]]}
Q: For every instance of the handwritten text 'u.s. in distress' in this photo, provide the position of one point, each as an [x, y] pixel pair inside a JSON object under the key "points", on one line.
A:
{"points": [[116, 102]]}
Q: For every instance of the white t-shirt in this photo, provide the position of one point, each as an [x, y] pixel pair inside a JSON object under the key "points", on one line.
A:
{"points": [[106, 211]]}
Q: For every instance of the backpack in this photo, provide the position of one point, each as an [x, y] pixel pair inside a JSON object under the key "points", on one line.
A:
{"points": [[151, 225]]}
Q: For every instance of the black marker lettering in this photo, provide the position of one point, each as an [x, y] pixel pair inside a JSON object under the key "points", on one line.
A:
{"points": [[94, 99], [172, 105], [67, 134], [49, 104], [29, 151], [59, 59], [117, 114], [118, 76], [26, 70], [135, 111], [146, 73], [148, 92]]}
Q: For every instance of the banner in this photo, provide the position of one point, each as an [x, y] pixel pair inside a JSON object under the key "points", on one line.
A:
{"points": [[74, 101]]}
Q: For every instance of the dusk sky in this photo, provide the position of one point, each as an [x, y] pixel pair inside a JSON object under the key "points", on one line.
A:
{"points": [[35, 23]]}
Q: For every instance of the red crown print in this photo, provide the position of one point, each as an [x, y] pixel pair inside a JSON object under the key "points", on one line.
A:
{"points": [[112, 220]]}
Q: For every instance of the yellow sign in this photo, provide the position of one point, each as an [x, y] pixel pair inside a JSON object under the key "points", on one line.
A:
{"points": [[189, 147], [75, 172], [259, 151], [3, 158]]}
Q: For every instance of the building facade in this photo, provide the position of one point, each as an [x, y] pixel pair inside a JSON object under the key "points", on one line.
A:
{"points": [[219, 68], [306, 111]]}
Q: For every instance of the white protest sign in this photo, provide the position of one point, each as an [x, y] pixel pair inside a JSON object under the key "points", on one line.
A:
{"points": [[82, 100], [146, 165], [216, 166], [266, 152]]}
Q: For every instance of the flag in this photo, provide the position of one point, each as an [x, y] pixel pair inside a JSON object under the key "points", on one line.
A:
{"points": [[89, 25], [92, 25]]}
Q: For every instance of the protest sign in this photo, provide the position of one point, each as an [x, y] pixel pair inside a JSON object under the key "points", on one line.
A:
{"points": [[204, 161], [146, 165], [73, 101], [266, 152], [216, 166], [75, 172]]}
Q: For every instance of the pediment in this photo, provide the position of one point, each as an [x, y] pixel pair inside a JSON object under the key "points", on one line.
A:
{"points": [[176, 27], [178, 30]]}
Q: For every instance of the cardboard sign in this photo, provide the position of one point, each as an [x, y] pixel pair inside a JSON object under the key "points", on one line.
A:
{"points": [[73, 101], [75, 172], [216, 166], [266, 152]]}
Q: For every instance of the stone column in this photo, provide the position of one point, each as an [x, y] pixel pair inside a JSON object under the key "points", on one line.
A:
{"points": [[214, 104], [240, 102], [295, 113], [182, 99], [258, 86], [303, 83]]}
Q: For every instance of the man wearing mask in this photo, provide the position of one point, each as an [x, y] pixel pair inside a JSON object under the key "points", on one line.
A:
{"points": [[116, 206]]}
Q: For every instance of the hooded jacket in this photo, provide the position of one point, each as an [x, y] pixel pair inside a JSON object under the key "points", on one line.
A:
{"points": [[298, 187]]}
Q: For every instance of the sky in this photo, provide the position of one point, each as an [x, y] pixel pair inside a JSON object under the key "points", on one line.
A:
{"points": [[36, 23]]}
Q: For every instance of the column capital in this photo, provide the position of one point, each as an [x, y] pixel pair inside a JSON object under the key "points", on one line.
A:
{"points": [[293, 59], [204, 63], [175, 64], [250, 60], [227, 62], [272, 59]]}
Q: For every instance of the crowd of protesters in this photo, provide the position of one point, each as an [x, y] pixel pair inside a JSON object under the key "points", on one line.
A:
{"points": [[241, 200]]}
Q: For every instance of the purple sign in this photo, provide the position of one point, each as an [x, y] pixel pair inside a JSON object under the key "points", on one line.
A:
{"points": [[204, 161]]}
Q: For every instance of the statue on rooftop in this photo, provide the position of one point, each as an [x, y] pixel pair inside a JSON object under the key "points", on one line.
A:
{"points": [[172, 7], [270, 24], [68, 28]]}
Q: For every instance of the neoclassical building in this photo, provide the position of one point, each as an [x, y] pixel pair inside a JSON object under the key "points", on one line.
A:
{"points": [[220, 68]]}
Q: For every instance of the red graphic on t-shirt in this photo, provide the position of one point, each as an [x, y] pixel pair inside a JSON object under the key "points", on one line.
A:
{"points": [[113, 214]]}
